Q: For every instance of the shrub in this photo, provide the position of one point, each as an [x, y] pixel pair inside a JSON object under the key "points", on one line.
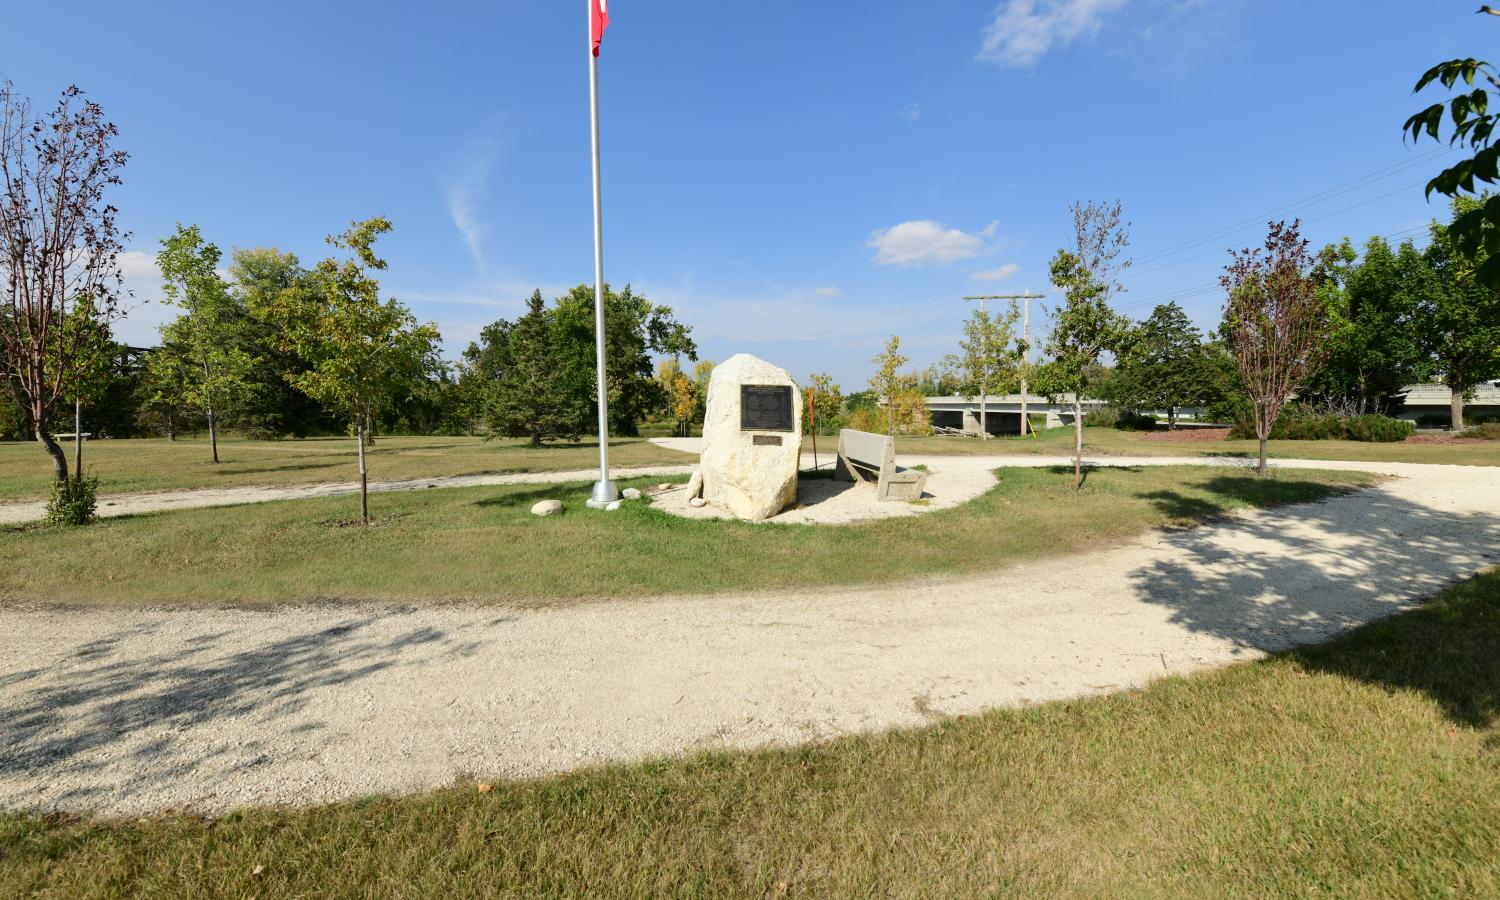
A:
{"points": [[73, 501], [1136, 421], [1488, 431], [1103, 417], [1299, 424], [1379, 429]]}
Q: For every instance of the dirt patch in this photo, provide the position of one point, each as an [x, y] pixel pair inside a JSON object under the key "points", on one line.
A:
{"points": [[1442, 439], [1187, 435]]}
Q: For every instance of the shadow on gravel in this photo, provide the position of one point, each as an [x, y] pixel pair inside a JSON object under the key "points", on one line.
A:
{"points": [[99, 702], [1263, 582]]}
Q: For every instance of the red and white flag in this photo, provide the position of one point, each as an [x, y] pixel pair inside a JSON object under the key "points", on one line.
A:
{"points": [[598, 22]]}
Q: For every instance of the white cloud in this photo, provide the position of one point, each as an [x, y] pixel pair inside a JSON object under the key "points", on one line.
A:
{"points": [[927, 243], [466, 189], [999, 274], [829, 292], [911, 112], [1023, 31]]}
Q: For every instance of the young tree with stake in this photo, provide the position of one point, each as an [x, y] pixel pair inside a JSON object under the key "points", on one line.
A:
{"points": [[990, 356], [1275, 322], [359, 351], [1085, 327], [887, 381], [215, 369]]}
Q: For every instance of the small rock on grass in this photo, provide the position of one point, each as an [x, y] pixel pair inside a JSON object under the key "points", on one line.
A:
{"points": [[697, 502], [665, 486], [612, 506], [631, 493], [546, 507]]}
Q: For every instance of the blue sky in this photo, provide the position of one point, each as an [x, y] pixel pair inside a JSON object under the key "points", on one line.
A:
{"points": [[798, 180]]}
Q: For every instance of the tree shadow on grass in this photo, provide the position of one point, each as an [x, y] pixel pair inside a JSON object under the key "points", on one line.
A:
{"points": [[1299, 575], [115, 700], [1448, 650]]}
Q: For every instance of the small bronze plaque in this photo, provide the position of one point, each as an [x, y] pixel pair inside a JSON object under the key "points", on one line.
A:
{"points": [[766, 440], [766, 407]]}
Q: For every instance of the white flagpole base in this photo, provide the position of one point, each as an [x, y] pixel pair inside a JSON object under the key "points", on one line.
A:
{"points": [[605, 493]]}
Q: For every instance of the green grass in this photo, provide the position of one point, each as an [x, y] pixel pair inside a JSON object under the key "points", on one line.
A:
{"points": [[1367, 767], [483, 543], [1112, 442], [154, 465]]}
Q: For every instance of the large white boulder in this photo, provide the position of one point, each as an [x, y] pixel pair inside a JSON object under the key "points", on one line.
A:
{"points": [[750, 467]]}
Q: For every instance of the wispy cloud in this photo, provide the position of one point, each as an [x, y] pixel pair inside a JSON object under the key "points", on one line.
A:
{"points": [[911, 112], [465, 191], [924, 242], [829, 291], [999, 274], [1023, 31]]}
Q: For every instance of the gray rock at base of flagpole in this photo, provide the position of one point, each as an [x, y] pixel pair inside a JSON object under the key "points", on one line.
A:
{"points": [[612, 506], [546, 507], [631, 494], [695, 484], [697, 503]]}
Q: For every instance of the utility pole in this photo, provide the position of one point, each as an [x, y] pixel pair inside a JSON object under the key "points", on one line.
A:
{"points": [[1026, 297], [1026, 357]]}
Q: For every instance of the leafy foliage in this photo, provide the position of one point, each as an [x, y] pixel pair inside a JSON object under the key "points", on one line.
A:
{"points": [[887, 382], [1473, 125], [1085, 326], [1459, 321], [1164, 364], [74, 501]]}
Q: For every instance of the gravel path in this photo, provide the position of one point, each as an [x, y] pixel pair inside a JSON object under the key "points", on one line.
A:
{"points": [[129, 711]]}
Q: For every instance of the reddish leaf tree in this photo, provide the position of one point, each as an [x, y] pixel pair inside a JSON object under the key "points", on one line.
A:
{"points": [[1275, 322], [59, 251]]}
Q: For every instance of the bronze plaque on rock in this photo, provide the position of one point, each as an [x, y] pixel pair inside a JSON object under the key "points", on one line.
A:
{"points": [[766, 407], [765, 440]]}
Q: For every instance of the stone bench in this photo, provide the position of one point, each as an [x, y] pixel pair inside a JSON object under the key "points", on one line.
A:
{"points": [[870, 457]]}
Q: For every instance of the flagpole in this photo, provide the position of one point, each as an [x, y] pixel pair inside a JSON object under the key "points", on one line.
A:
{"points": [[605, 491]]}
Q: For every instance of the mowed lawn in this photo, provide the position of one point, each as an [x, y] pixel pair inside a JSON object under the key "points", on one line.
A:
{"points": [[1113, 442], [123, 466], [1367, 767], [483, 543]]}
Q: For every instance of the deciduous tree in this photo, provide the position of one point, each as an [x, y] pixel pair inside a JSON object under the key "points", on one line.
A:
{"points": [[887, 381], [1460, 318], [208, 332], [358, 350], [1085, 326], [1275, 322], [59, 252], [988, 356]]}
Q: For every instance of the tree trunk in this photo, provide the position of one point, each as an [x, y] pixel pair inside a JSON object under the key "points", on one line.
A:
{"points": [[1171, 418], [1456, 409], [1263, 436], [364, 497], [77, 438], [213, 435], [1077, 443], [59, 458]]}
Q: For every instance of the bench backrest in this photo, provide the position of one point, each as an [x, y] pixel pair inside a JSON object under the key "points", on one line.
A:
{"points": [[871, 450]]}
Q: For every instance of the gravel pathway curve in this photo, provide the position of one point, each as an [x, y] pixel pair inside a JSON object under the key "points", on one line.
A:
{"points": [[124, 712]]}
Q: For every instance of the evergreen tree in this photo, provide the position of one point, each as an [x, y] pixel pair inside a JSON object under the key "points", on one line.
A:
{"points": [[531, 396], [1163, 364]]}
